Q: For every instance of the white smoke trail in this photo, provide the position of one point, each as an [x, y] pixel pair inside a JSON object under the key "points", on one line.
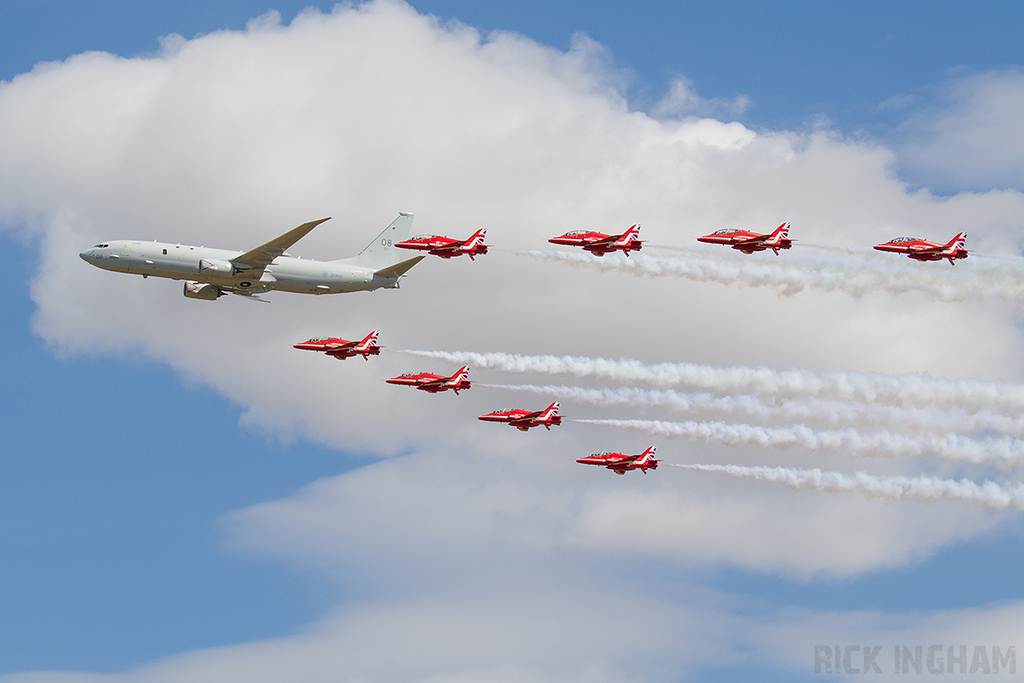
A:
{"points": [[830, 412], [826, 272], [1005, 452], [929, 489], [970, 396]]}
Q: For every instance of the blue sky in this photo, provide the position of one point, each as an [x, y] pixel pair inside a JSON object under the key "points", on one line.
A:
{"points": [[795, 60], [119, 467]]}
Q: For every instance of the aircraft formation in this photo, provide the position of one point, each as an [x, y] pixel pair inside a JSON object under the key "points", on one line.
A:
{"points": [[210, 273]]}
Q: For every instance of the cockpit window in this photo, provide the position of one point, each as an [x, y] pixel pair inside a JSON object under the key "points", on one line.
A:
{"points": [[101, 246], [900, 240], [724, 231]]}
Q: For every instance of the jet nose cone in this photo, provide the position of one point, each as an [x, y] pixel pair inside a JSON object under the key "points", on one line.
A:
{"points": [[86, 255]]}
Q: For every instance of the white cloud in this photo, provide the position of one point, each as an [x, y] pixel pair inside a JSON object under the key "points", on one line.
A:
{"points": [[234, 137], [682, 100], [973, 138]]}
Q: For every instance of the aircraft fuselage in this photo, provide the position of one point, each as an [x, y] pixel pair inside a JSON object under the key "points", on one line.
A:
{"points": [[214, 266]]}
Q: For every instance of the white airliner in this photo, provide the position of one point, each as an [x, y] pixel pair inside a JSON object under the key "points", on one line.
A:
{"points": [[210, 273]]}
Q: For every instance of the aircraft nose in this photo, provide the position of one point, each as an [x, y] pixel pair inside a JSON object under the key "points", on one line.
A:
{"points": [[86, 255]]}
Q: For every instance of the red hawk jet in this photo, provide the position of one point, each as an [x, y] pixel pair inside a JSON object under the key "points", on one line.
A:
{"points": [[749, 242], [599, 243], [426, 381], [923, 250], [343, 348], [620, 463], [524, 419], [446, 247]]}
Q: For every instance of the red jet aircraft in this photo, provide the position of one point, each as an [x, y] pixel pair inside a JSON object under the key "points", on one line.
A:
{"points": [[749, 242], [923, 250], [446, 247], [524, 419], [343, 348], [620, 463], [599, 243], [426, 381]]}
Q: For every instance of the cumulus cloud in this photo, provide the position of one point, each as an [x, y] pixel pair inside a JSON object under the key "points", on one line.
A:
{"points": [[972, 137], [232, 138]]}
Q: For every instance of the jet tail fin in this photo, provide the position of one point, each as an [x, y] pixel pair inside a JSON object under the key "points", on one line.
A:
{"points": [[381, 254], [550, 411], [960, 237]]}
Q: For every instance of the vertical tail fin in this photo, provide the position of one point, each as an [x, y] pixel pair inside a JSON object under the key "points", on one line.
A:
{"points": [[632, 234], [780, 233], [369, 341], [381, 253], [550, 411]]}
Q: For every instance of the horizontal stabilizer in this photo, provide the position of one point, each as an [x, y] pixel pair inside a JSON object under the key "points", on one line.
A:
{"points": [[399, 269]]}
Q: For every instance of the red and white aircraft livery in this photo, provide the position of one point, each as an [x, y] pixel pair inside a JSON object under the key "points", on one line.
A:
{"points": [[446, 247], [620, 463], [599, 243], [343, 348], [923, 250], [524, 419], [426, 381], [749, 242]]}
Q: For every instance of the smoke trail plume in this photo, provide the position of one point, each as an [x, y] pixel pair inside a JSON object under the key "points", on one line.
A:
{"points": [[1003, 451], [929, 489], [970, 395], [830, 412], [829, 272]]}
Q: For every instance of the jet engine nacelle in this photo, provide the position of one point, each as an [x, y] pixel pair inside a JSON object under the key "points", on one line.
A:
{"points": [[216, 267], [202, 290]]}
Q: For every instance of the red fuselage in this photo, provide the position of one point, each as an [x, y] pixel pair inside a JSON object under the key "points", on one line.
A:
{"points": [[599, 243], [524, 419], [621, 463], [342, 348], [749, 242], [428, 381], [446, 247], [924, 250]]}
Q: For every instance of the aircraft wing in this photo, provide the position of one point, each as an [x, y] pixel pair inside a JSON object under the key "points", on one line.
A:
{"points": [[604, 241], [262, 256], [753, 240], [525, 418]]}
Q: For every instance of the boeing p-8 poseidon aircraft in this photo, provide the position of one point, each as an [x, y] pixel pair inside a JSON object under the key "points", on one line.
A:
{"points": [[210, 273]]}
